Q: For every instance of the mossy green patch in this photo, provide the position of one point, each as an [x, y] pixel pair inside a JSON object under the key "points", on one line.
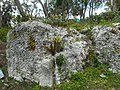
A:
{"points": [[14, 35], [3, 34], [31, 42], [60, 60]]}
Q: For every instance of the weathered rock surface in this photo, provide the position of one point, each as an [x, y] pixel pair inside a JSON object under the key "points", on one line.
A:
{"points": [[31, 50], [28, 57], [107, 45]]}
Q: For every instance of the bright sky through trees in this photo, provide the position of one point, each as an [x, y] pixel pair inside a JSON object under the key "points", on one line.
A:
{"points": [[102, 8]]}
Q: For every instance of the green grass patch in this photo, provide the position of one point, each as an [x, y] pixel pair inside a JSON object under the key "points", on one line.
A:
{"points": [[91, 79], [3, 34]]}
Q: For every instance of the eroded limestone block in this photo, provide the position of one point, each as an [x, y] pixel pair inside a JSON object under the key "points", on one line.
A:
{"points": [[31, 48], [107, 45]]}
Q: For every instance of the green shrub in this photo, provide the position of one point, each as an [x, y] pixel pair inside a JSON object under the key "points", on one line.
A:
{"points": [[3, 34], [37, 87], [107, 17]]}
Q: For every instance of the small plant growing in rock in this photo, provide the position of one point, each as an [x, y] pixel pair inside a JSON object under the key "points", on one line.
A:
{"points": [[31, 42], [55, 45], [14, 35], [114, 31], [60, 60]]}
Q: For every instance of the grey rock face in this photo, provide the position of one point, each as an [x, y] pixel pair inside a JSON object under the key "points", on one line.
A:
{"points": [[107, 45], [28, 57]]}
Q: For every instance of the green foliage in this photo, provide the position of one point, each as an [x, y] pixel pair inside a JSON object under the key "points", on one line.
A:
{"points": [[6, 13], [108, 17], [31, 42], [53, 21], [92, 58], [104, 19], [93, 76], [57, 20], [57, 39], [56, 45], [79, 81], [117, 3], [90, 79], [36, 87], [114, 81], [60, 60], [76, 82], [76, 26], [3, 34], [59, 3]]}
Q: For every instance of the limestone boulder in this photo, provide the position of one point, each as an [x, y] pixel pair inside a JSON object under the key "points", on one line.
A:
{"points": [[30, 52], [107, 45]]}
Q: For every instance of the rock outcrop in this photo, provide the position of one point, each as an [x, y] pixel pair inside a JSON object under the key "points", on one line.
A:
{"points": [[33, 46], [107, 45]]}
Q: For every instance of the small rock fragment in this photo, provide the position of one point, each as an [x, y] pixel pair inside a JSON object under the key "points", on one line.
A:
{"points": [[1, 74]]}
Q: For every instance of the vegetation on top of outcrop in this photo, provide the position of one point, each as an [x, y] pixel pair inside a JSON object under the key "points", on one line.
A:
{"points": [[104, 19]]}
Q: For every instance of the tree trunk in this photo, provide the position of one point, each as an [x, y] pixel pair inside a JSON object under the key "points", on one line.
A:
{"points": [[114, 5], [0, 16], [85, 8], [92, 8], [44, 6], [24, 17], [82, 12]]}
